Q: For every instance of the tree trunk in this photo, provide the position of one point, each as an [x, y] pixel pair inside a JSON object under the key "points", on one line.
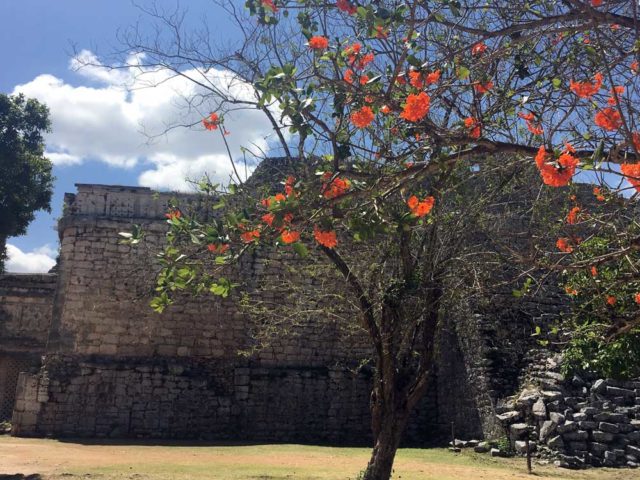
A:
{"points": [[3, 252], [390, 430]]}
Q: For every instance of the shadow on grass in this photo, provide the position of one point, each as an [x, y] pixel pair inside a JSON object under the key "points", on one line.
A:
{"points": [[19, 476]]}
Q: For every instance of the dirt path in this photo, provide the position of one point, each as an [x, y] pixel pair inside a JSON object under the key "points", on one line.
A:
{"points": [[57, 460]]}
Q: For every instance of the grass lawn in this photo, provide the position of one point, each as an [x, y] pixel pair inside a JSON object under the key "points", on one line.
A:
{"points": [[111, 460]]}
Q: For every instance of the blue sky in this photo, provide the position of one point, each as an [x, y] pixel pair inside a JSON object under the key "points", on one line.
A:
{"points": [[96, 123]]}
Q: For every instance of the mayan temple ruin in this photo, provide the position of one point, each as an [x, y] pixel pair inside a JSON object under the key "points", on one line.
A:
{"points": [[83, 355]]}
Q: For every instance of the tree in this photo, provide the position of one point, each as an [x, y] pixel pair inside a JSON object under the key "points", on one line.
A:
{"points": [[397, 113], [26, 182]]}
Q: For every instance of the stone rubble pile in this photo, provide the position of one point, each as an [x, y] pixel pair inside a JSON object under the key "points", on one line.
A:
{"points": [[574, 421]]}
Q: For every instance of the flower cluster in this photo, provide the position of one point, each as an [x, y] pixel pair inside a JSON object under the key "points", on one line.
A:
{"points": [[560, 173], [608, 118], [631, 172], [362, 118], [416, 107], [586, 89], [335, 188], [420, 208], [211, 122], [533, 126], [318, 43], [473, 126], [325, 238]]}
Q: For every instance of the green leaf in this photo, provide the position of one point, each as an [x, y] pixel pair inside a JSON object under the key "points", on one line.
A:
{"points": [[463, 72], [556, 82], [300, 249]]}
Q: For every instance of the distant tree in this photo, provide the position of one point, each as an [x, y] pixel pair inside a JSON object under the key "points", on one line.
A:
{"points": [[26, 182]]}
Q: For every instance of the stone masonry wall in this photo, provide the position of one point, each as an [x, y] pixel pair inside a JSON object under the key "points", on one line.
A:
{"points": [[26, 302], [575, 421], [135, 373]]}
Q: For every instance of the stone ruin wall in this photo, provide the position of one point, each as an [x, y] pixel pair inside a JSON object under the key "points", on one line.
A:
{"points": [[134, 373], [25, 316], [116, 368]]}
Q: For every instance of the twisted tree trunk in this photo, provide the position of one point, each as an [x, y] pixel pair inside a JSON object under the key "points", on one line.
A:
{"points": [[391, 426], [3, 252]]}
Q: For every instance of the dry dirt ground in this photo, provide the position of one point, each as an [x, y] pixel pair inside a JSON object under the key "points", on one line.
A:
{"points": [[43, 459]]}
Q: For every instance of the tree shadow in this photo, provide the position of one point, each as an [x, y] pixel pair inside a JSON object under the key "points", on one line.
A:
{"points": [[20, 476]]}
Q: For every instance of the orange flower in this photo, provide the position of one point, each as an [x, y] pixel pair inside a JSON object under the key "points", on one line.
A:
{"points": [[563, 245], [637, 298], [608, 118], [635, 66], [532, 126], [594, 271], [570, 290], [478, 49], [474, 127], [433, 77], [416, 79], [611, 300], [420, 208], [631, 172], [362, 118], [288, 186], [596, 3], [572, 216], [268, 218], [385, 109], [218, 247], [250, 236], [270, 5], [211, 122], [586, 89], [615, 92], [483, 87], [346, 6], [336, 188], [290, 236], [416, 107], [351, 51], [348, 76], [598, 193], [381, 32], [401, 80], [173, 214], [318, 43], [556, 176], [420, 79], [635, 139], [326, 239]]}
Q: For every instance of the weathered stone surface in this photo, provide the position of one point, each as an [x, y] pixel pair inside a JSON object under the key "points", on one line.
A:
{"points": [[509, 417], [547, 429], [494, 452], [482, 447], [602, 437], [556, 442], [578, 435], [518, 429], [539, 410], [600, 386], [608, 427], [520, 446], [568, 426]]}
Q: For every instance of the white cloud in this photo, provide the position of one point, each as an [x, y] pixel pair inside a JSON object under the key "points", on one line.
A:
{"points": [[105, 122], [39, 260]]}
